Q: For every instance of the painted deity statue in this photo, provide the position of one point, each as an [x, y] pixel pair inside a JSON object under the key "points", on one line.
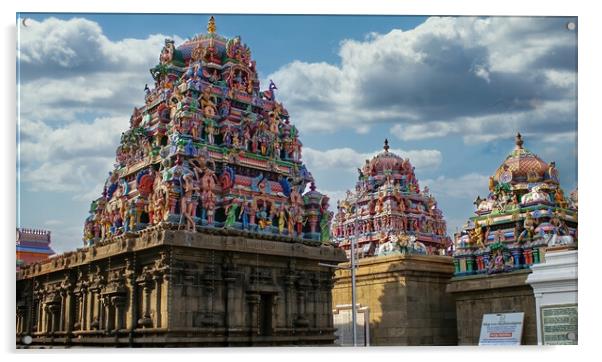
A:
{"points": [[478, 236], [325, 226], [263, 218], [496, 263], [209, 207], [189, 201], [245, 211], [281, 218], [290, 221], [559, 198], [559, 226], [529, 228], [231, 214]]}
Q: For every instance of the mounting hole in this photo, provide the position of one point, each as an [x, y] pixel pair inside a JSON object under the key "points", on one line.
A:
{"points": [[571, 25], [26, 340]]}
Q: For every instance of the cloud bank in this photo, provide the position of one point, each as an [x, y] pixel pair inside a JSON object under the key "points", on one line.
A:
{"points": [[477, 78]]}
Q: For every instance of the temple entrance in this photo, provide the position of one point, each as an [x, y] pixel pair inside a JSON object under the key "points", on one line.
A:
{"points": [[265, 314]]}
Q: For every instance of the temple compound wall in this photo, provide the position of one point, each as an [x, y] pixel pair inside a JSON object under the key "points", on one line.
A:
{"points": [[163, 287], [406, 296], [490, 294]]}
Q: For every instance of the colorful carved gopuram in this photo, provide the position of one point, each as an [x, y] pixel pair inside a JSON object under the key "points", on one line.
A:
{"points": [[209, 230], [525, 214], [209, 149], [388, 213]]}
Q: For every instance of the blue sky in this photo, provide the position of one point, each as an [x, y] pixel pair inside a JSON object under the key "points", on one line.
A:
{"points": [[450, 93]]}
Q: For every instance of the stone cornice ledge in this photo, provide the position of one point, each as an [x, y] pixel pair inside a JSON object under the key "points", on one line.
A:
{"points": [[206, 238], [486, 281]]}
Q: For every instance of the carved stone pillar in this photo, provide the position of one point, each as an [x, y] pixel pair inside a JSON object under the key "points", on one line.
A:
{"points": [[94, 310], [83, 310], [209, 291], [301, 320], [69, 314], [158, 278], [301, 303], [289, 283], [133, 298], [54, 310], [275, 302], [46, 321], [145, 320], [62, 311], [109, 314], [253, 301], [102, 313], [118, 302], [328, 297], [19, 327], [41, 315], [315, 300], [229, 279]]}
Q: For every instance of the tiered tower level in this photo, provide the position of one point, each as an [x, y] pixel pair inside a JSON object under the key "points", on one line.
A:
{"points": [[388, 213], [525, 214], [209, 149]]}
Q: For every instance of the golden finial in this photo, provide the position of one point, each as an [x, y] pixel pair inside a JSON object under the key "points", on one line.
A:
{"points": [[519, 140], [211, 25], [386, 146]]}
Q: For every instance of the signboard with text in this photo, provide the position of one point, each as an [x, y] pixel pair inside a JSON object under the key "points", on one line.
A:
{"points": [[559, 324], [502, 329]]}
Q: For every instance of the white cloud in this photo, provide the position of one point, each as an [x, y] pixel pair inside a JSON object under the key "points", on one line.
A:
{"points": [[468, 76], [562, 79], [73, 158], [70, 68], [464, 187], [348, 159], [421, 131], [77, 90], [66, 238], [486, 128]]}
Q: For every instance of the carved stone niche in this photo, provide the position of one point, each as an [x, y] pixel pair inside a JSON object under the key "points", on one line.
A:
{"points": [[116, 284], [303, 284], [145, 282], [261, 276]]}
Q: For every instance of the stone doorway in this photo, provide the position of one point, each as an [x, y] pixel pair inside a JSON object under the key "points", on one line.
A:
{"points": [[266, 302]]}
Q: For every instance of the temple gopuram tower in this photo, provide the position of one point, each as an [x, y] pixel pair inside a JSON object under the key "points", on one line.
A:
{"points": [[525, 213], [204, 234], [525, 217], [400, 239], [388, 211]]}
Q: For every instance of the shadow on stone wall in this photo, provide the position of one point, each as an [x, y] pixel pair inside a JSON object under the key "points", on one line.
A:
{"points": [[413, 310]]}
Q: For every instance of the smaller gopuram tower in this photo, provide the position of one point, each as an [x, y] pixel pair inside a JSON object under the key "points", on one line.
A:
{"points": [[525, 216], [388, 212], [32, 245], [402, 271], [525, 213]]}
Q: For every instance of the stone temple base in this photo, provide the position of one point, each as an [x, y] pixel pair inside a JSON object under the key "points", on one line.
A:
{"points": [[406, 298], [487, 294], [167, 288]]}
